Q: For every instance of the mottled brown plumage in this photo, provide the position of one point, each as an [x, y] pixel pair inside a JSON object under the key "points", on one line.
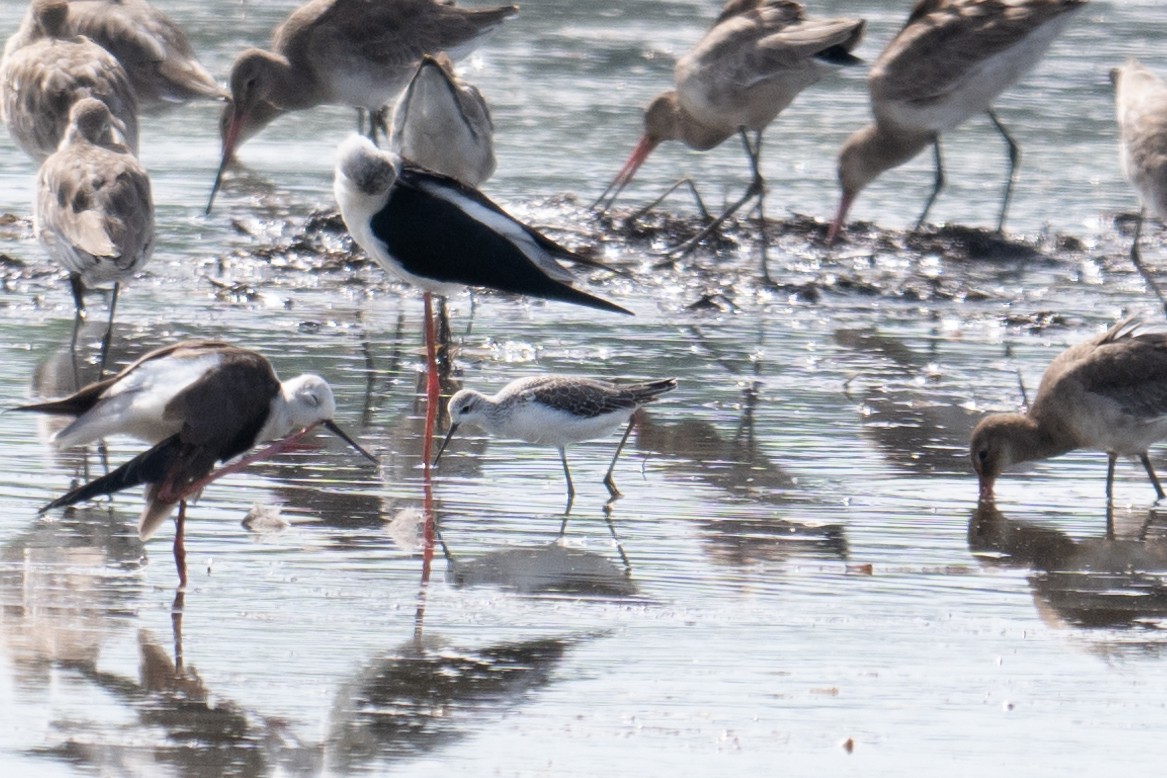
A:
{"points": [[1107, 393], [555, 410], [949, 62], [42, 79], [153, 49]]}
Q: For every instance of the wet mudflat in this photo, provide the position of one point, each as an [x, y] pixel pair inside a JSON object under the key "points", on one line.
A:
{"points": [[798, 561]]}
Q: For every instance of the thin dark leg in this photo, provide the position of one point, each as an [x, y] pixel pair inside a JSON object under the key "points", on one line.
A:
{"points": [[180, 543], [1137, 260], [1146, 460], [567, 475], [937, 185], [763, 237], [756, 188], [608, 480], [108, 339], [705, 215], [1014, 162], [78, 290]]}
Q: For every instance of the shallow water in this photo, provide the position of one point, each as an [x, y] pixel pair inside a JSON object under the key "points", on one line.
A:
{"points": [[797, 561]]}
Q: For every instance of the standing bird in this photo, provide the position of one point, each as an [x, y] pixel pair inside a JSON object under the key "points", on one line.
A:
{"points": [[345, 52], [153, 49], [1140, 99], [556, 410], [948, 63], [93, 212], [443, 124], [41, 79], [197, 403], [752, 64], [440, 235], [1108, 393]]}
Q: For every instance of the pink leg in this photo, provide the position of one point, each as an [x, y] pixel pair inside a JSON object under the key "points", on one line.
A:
{"points": [[432, 387], [235, 467], [180, 544]]}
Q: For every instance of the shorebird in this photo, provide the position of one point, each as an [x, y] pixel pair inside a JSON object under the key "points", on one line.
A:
{"points": [[93, 211], [156, 54], [1140, 99], [1104, 393], [443, 124], [41, 80], [345, 52], [555, 410], [196, 403], [948, 63], [751, 64], [435, 233]]}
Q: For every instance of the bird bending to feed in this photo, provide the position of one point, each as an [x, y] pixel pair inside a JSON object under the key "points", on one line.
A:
{"points": [[1108, 393], [443, 124], [1140, 99], [52, 69], [345, 52], [197, 403], [751, 64], [93, 211], [555, 410], [153, 49], [948, 63]]}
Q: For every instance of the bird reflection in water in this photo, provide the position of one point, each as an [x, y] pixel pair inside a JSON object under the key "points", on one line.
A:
{"points": [[1110, 581], [427, 695]]}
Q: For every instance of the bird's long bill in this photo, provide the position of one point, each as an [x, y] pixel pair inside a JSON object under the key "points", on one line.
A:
{"points": [[840, 221], [230, 138], [635, 160], [332, 427], [446, 442]]}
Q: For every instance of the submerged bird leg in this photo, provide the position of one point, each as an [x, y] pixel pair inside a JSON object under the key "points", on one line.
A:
{"points": [[608, 481], [1014, 161], [1137, 260], [1146, 460], [180, 543], [108, 339], [937, 184]]}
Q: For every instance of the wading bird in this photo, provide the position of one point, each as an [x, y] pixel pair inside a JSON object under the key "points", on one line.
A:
{"points": [[558, 411], [949, 62], [197, 403], [94, 213], [751, 64]]}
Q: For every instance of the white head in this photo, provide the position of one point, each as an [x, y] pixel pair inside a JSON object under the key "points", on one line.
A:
{"points": [[304, 402], [362, 168], [466, 406]]}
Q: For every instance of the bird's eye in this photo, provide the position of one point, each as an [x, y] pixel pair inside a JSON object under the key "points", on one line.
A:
{"points": [[312, 400], [983, 455]]}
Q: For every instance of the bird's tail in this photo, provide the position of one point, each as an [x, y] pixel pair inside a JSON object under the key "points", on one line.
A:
{"points": [[148, 467], [650, 390]]}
